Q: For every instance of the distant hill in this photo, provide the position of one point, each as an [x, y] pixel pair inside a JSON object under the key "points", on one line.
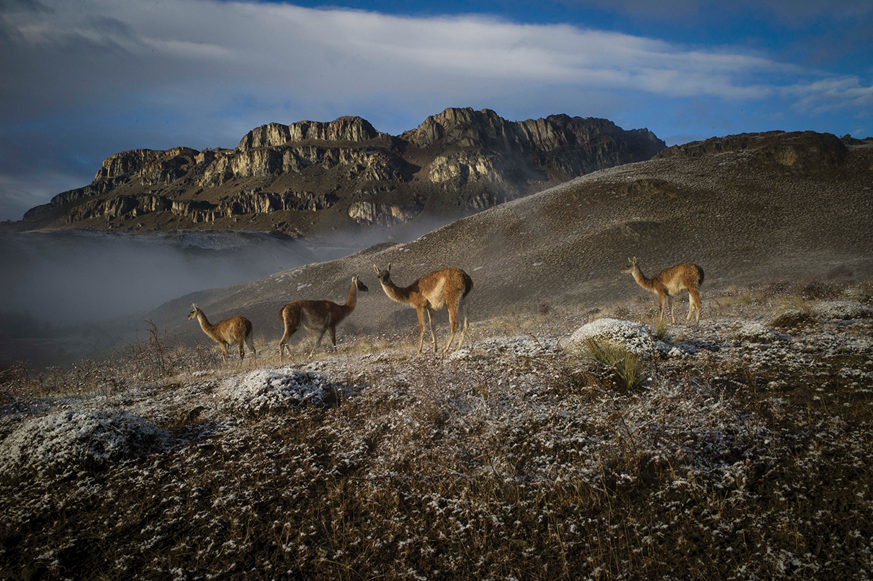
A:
{"points": [[747, 208], [311, 178]]}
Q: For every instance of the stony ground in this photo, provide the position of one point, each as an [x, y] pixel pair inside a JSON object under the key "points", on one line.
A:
{"points": [[739, 450]]}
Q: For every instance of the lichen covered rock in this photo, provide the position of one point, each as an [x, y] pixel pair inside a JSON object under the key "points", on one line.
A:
{"points": [[635, 337], [73, 440], [842, 310], [267, 390], [756, 333]]}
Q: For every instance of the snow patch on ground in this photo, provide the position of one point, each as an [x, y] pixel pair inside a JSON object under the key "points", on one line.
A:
{"points": [[519, 346], [267, 390], [70, 440], [461, 355]]}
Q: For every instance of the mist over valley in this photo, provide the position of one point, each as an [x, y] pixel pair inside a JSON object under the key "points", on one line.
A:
{"points": [[63, 283]]}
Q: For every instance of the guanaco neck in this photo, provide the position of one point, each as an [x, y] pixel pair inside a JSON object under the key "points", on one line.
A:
{"points": [[204, 323], [641, 278], [395, 293], [352, 300]]}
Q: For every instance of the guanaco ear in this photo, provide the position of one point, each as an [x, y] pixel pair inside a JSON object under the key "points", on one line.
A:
{"points": [[376, 268], [389, 268]]}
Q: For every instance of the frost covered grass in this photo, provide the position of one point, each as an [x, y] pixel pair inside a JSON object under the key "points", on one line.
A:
{"points": [[735, 458]]}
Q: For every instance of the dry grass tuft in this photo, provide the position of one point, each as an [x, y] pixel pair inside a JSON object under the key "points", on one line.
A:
{"points": [[625, 364], [660, 327]]}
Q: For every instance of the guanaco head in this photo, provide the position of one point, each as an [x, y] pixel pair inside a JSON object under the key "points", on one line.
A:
{"points": [[631, 265], [195, 310], [384, 276], [361, 286]]}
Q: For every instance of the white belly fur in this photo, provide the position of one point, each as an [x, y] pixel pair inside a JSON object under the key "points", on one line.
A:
{"points": [[436, 298], [675, 288]]}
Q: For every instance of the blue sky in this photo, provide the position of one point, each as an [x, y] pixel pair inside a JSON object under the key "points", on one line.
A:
{"points": [[83, 79]]}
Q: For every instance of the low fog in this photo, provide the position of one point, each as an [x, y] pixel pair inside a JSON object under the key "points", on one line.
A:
{"points": [[71, 277]]}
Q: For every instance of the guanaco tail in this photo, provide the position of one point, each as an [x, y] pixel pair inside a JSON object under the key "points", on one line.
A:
{"points": [[232, 330], [446, 288], [317, 316], [671, 282]]}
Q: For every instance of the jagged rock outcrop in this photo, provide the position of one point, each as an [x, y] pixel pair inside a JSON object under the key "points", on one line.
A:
{"points": [[109, 209], [464, 167], [251, 202], [275, 134], [151, 203], [152, 166], [485, 199], [94, 189], [257, 202], [469, 128], [458, 161], [382, 214], [358, 163]]}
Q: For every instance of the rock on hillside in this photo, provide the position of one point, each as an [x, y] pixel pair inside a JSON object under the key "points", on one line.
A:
{"points": [[635, 337], [806, 151], [310, 177], [741, 219]]}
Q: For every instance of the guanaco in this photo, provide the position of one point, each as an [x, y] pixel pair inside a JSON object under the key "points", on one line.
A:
{"points": [[317, 316], [232, 330], [671, 282], [447, 288]]}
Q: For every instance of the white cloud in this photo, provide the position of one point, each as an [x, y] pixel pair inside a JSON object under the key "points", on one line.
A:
{"points": [[77, 53], [824, 95]]}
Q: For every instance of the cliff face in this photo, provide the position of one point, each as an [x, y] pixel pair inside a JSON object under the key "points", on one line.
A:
{"points": [[469, 128], [311, 176], [342, 129]]}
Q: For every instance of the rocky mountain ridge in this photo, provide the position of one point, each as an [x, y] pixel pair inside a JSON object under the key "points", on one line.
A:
{"points": [[312, 177]]}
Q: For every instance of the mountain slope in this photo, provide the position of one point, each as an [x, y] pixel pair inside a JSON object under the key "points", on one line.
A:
{"points": [[310, 178], [758, 207]]}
